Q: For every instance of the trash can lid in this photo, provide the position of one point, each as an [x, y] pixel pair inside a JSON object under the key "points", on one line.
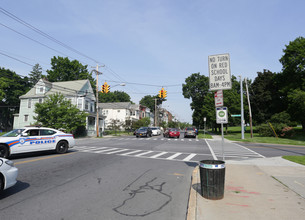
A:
{"points": [[212, 164]]}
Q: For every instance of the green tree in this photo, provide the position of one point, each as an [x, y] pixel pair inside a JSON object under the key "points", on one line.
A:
{"points": [[144, 122], [11, 87], [57, 112], [35, 75], [149, 101], [196, 88], [293, 72], [116, 96], [292, 79], [65, 70], [296, 106], [265, 97]]}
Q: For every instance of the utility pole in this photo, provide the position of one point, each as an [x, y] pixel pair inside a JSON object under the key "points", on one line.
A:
{"points": [[250, 112], [242, 108], [97, 111], [155, 121]]}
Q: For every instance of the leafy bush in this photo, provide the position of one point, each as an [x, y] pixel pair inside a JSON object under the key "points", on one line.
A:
{"points": [[282, 117], [266, 130]]}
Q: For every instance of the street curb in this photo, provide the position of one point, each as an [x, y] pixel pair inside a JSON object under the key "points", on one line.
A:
{"points": [[192, 203]]}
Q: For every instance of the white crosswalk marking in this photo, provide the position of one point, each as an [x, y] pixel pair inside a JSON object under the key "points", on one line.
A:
{"points": [[158, 155], [189, 157], [117, 151], [132, 152], [174, 156], [147, 152], [103, 151]]}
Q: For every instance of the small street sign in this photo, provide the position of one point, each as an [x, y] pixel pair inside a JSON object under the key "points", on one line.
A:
{"points": [[221, 115], [218, 98], [235, 115]]}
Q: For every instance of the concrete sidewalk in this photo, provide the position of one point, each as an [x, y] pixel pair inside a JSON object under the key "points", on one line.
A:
{"points": [[264, 188]]}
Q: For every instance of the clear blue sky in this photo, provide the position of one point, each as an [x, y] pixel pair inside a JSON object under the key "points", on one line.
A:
{"points": [[155, 42]]}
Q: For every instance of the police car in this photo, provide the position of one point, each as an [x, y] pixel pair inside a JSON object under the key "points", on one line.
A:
{"points": [[31, 139], [8, 174]]}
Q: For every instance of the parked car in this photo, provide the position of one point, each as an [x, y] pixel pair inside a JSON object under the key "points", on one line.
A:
{"points": [[144, 132], [8, 174], [30, 139], [156, 131], [135, 132], [190, 132], [172, 132]]}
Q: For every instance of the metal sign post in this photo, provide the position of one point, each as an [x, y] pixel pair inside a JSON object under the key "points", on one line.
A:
{"points": [[221, 118]]}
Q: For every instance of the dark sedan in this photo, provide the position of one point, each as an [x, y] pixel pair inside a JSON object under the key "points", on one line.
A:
{"points": [[144, 132]]}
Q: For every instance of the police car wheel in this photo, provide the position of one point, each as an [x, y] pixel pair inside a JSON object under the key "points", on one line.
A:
{"points": [[3, 151], [62, 147]]}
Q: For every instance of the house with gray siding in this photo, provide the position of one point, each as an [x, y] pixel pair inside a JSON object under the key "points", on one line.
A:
{"points": [[79, 92]]}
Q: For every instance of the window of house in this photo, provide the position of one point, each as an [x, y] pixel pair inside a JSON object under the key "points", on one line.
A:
{"points": [[86, 105], [40, 100], [40, 90], [26, 118], [79, 103], [29, 103]]}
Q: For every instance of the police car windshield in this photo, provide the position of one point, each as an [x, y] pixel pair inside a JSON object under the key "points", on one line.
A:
{"points": [[13, 133]]}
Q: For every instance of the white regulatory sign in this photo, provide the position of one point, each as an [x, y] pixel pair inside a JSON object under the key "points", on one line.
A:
{"points": [[221, 115], [220, 74], [218, 95]]}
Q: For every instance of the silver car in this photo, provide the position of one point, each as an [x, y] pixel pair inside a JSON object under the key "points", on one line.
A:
{"points": [[8, 174]]}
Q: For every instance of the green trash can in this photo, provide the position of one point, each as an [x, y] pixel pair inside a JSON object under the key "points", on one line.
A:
{"points": [[212, 179]]}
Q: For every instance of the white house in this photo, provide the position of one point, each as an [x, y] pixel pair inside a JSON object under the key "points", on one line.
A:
{"points": [[123, 111], [79, 92]]}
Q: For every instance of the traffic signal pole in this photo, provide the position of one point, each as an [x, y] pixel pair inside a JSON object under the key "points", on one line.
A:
{"points": [[242, 108], [97, 113]]}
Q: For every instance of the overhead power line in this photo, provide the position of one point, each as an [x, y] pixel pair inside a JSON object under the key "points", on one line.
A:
{"points": [[34, 40], [44, 34], [141, 84]]}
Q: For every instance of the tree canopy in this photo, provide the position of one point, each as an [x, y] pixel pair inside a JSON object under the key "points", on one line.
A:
{"points": [[116, 96], [149, 101], [62, 69], [57, 112], [11, 87], [35, 75]]}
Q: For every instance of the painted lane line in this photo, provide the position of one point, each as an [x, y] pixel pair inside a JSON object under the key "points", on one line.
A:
{"points": [[117, 151], [174, 156], [158, 155], [147, 152], [189, 157], [132, 152], [212, 152]]}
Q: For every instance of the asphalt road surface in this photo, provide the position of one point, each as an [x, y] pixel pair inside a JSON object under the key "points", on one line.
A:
{"points": [[113, 178]]}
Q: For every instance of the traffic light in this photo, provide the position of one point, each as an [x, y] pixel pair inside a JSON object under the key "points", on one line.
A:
{"points": [[164, 93], [107, 89], [103, 88], [160, 94]]}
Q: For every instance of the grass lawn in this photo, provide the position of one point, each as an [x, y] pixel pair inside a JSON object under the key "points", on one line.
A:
{"points": [[203, 135], [234, 134], [296, 159]]}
